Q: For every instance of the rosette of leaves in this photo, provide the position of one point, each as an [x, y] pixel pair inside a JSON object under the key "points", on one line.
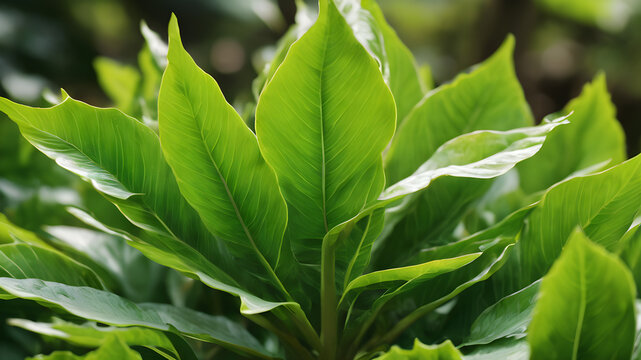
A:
{"points": [[363, 211]]}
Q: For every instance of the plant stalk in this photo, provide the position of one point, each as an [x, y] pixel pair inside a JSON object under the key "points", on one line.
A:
{"points": [[329, 302]]}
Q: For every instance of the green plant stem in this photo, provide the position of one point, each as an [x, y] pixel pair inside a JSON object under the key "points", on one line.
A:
{"points": [[329, 302]]}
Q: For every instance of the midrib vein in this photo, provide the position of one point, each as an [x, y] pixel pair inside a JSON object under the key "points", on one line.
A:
{"points": [[322, 129], [582, 306]]}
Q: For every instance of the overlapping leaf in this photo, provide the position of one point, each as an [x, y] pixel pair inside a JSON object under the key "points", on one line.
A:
{"points": [[322, 122], [218, 165], [586, 307], [111, 309], [593, 137]]}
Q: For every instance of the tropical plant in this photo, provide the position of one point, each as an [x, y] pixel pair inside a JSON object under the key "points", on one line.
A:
{"points": [[364, 211]]}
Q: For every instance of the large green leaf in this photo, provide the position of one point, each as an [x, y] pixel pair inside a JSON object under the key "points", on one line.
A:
{"points": [[322, 123], [108, 308], [586, 306], [420, 351], [489, 98], [594, 136], [24, 261], [603, 205], [91, 335], [112, 348], [218, 165], [122, 159], [508, 318]]}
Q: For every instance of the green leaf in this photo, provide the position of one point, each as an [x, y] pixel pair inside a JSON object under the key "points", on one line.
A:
{"points": [[508, 318], [179, 256], [225, 179], [396, 62], [123, 160], [10, 233], [113, 348], [322, 123], [603, 205], [111, 254], [502, 349], [91, 335], [488, 98], [420, 351], [586, 306], [120, 82], [594, 136], [399, 280], [481, 155], [629, 251], [24, 261], [108, 308]]}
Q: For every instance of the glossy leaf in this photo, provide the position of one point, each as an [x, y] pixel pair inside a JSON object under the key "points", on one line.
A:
{"points": [[322, 122], [122, 159], [586, 306], [396, 281], [501, 349], [603, 205], [594, 136], [91, 335], [226, 179], [24, 261], [111, 309], [508, 318], [420, 351], [488, 98], [481, 155]]}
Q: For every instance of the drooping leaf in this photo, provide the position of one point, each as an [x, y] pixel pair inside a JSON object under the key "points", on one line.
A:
{"points": [[322, 122], [594, 136], [123, 160], [111, 309], [24, 261], [420, 351], [111, 254], [489, 98], [586, 306], [91, 335], [225, 179], [508, 318], [603, 205]]}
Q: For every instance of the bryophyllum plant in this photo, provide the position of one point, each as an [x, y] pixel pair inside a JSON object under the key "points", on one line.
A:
{"points": [[364, 211]]}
